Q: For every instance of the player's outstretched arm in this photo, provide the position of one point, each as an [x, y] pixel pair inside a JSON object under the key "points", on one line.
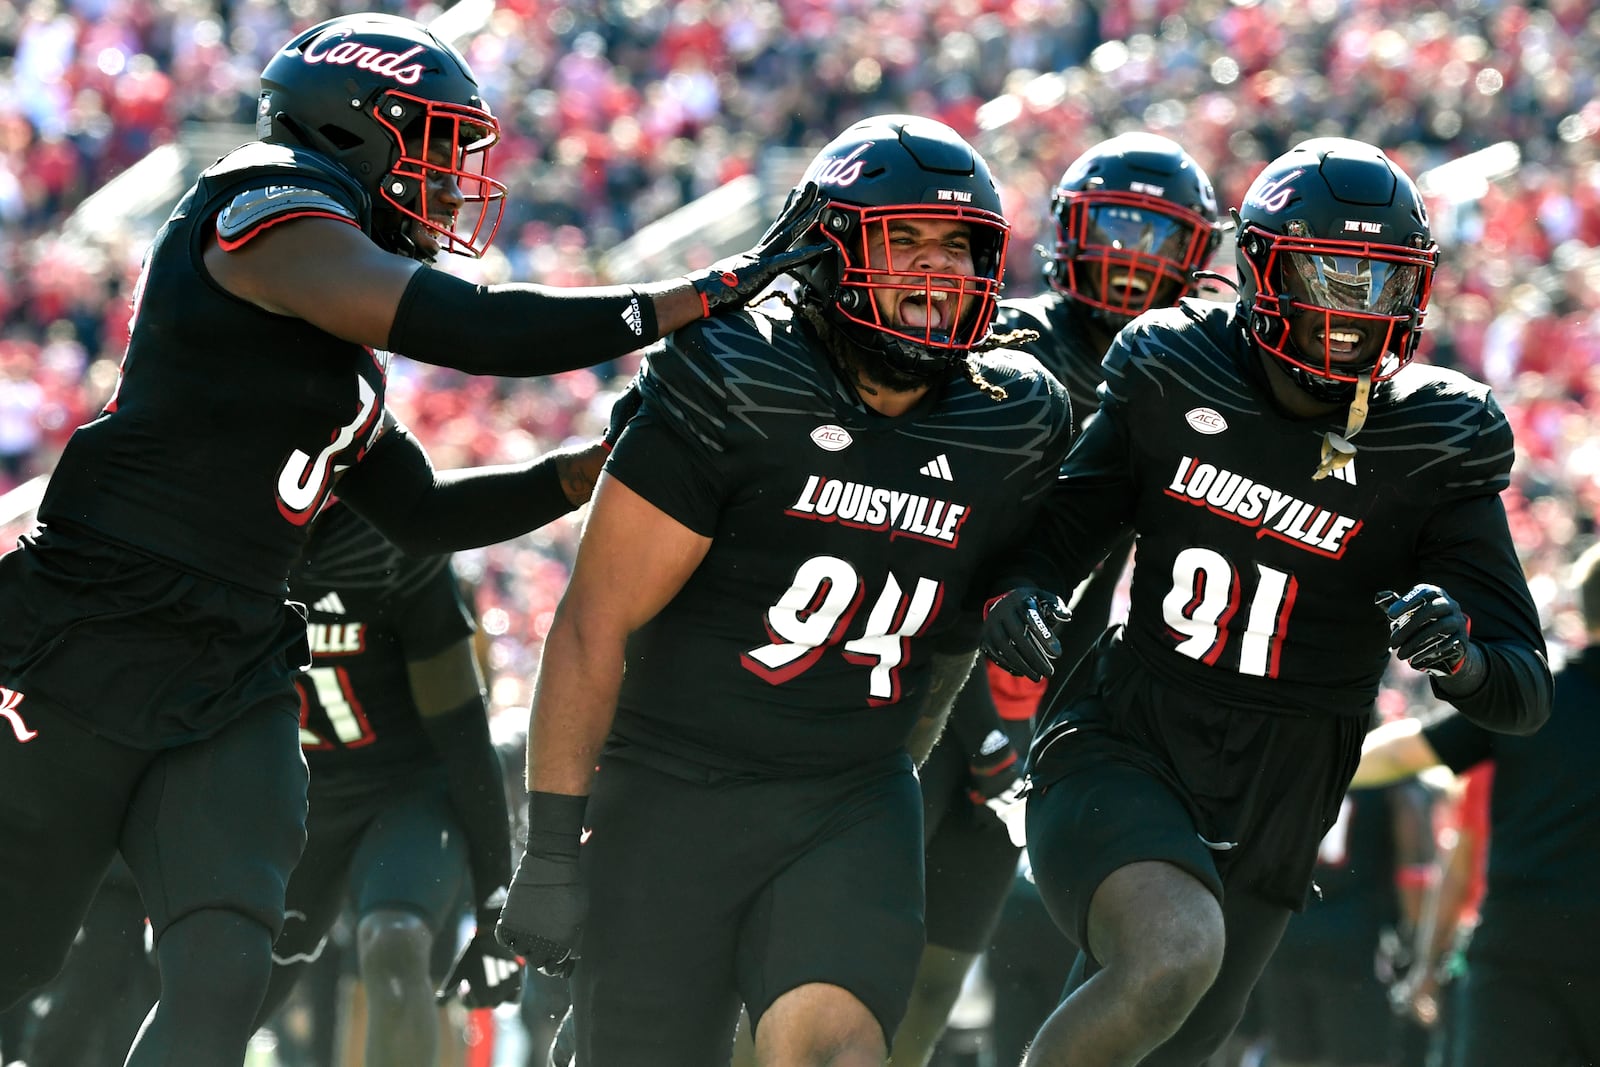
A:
{"points": [[333, 276]]}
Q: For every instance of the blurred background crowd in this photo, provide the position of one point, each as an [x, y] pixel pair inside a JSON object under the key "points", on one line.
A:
{"points": [[618, 112]]}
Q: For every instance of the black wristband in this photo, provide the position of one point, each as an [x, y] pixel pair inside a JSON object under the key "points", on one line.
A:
{"points": [[1469, 677], [555, 822]]}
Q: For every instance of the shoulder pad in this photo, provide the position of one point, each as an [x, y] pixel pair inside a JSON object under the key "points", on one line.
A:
{"points": [[1024, 313], [1453, 429], [720, 376], [259, 184], [255, 209], [1191, 345], [1034, 398], [1019, 373]]}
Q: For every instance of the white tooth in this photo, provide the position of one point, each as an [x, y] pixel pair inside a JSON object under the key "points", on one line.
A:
{"points": [[1344, 337]]}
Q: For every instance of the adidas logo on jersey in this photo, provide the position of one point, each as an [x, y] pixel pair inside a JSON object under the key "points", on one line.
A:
{"points": [[1346, 473], [868, 507], [1277, 514], [938, 467], [329, 605], [633, 318]]}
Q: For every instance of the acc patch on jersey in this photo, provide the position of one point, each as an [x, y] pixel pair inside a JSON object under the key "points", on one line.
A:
{"points": [[253, 210]]}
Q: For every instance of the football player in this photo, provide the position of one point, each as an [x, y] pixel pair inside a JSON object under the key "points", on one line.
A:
{"points": [[407, 803], [1307, 499], [1136, 221], [781, 552], [148, 654]]}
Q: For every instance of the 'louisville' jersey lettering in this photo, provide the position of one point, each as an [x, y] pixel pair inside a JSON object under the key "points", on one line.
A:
{"points": [[870, 508], [1278, 514]]}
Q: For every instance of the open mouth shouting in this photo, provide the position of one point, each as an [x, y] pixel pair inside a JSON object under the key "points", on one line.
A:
{"points": [[933, 312]]}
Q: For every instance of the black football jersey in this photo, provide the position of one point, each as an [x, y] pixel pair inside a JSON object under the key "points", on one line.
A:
{"points": [[229, 422], [1253, 582], [370, 609], [1064, 346], [844, 543]]}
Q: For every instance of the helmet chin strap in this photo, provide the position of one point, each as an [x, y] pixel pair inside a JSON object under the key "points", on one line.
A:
{"points": [[1337, 451]]}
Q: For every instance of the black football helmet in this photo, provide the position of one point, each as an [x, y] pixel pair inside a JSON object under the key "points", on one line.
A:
{"points": [[1136, 218], [1333, 229], [877, 177], [374, 93]]}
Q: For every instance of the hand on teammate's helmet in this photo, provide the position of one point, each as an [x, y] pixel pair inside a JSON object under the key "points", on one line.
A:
{"points": [[994, 781], [1428, 629], [735, 280], [1019, 631], [486, 974], [623, 409], [542, 920]]}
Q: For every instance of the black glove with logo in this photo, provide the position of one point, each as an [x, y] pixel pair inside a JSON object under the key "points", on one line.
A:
{"points": [[734, 281], [1019, 631], [486, 974], [1428, 629], [542, 920]]}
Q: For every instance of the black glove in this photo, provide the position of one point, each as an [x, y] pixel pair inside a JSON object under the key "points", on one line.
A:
{"points": [[1428, 629], [734, 281], [542, 920], [623, 409], [994, 781], [486, 974], [1019, 631]]}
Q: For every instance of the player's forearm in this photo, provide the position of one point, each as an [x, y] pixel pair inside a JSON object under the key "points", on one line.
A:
{"points": [[949, 673], [1516, 692], [520, 330], [580, 673]]}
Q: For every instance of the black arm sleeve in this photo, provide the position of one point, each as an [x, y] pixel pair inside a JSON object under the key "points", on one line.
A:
{"points": [[518, 331], [477, 792], [1083, 518], [425, 512]]}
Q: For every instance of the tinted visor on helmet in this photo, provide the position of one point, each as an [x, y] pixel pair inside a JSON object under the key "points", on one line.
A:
{"points": [[1129, 252], [1130, 228], [1361, 286], [441, 178]]}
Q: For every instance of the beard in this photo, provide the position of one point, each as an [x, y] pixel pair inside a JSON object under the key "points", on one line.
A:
{"points": [[873, 368]]}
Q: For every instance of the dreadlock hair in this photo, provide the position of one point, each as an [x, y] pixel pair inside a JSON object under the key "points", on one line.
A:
{"points": [[812, 314]]}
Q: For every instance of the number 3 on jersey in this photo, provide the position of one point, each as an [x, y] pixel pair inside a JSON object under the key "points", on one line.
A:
{"points": [[817, 609], [1204, 600]]}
